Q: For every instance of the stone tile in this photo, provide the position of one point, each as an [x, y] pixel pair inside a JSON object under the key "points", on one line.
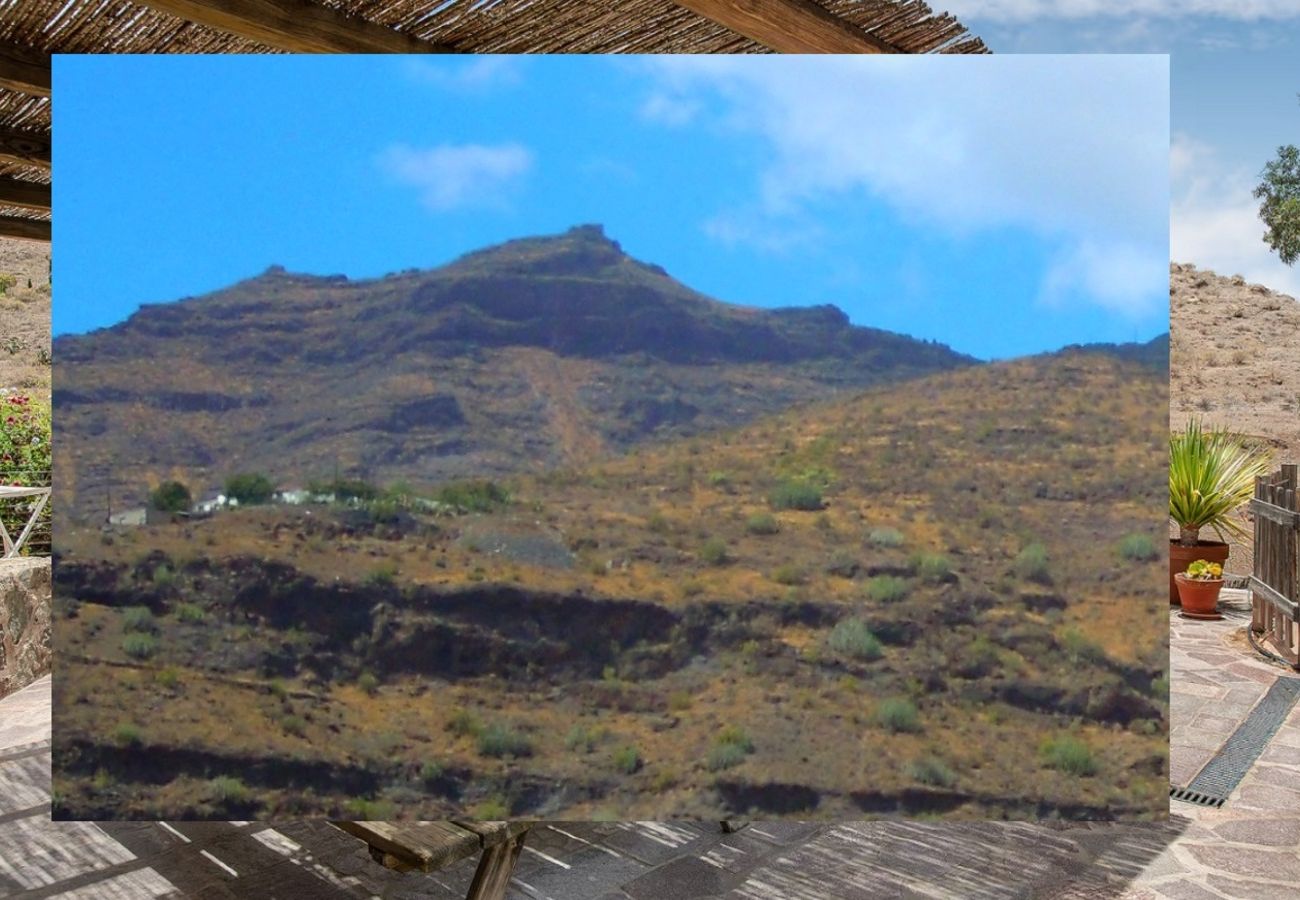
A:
{"points": [[1247, 862], [1252, 890], [1185, 890], [1214, 724], [1280, 754], [1265, 832]]}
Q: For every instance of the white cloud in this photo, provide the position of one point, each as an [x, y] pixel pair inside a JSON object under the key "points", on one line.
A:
{"points": [[1214, 219], [480, 73], [667, 109], [1031, 10], [1073, 148], [454, 176], [754, 228]]}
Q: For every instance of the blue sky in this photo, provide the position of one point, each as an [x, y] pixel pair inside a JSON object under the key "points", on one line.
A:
{"points": [[907, 191], [1235, 73]]}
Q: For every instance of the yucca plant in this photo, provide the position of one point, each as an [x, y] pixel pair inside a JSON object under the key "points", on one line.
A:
{"points": [[1211, 473]]}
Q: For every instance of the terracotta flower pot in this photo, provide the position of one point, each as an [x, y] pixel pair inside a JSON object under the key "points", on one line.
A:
{"points": [[1200, 597], [1181, 557]]}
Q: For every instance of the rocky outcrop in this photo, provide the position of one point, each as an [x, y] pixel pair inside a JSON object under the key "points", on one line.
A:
{"points": [[24, 622]]}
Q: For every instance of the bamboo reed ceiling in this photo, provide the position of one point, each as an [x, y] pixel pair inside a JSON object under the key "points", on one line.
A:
{"points": [[32, 30]]}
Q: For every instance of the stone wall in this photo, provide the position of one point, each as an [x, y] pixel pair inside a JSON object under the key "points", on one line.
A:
{"points": [[24, 622]]}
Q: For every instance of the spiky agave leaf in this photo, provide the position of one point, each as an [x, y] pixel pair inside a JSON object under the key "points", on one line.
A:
{"points": [[1211, 473]]}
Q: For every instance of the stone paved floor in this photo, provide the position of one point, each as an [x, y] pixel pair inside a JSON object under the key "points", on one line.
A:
{"points": [[1248, 849]]}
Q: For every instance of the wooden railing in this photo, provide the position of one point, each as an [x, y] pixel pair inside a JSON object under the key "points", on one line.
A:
{"points": [[1275, 584], [35, 529]]}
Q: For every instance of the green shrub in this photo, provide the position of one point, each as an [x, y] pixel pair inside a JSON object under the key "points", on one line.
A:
{"points": [[627, 760], [1160, 687], [1138, 548], [887, 588], [1080, 648], [383, 575], [795, 495], [886, 537], [494, 809], [932, 771], [140, 619], [788, 573], [171, 496], [227, 789], [464, 723], [1068, 754], [368, 683], [762, 523], [501, 740], [250, 488], [126, 735], [733, 744], [189, 612], [724, 756], [431, 771], [167, 678], [932, 567], [736, 736], [1031, 564], [474, 496], [362, 810], [580, 738], [898, 715], [714, 552], [294, 725], [853, 638], [139, 646]]}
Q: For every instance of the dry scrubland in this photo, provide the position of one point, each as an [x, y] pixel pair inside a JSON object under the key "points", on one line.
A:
{"points": [[1235, 363], [939, 598], [25, 316]]}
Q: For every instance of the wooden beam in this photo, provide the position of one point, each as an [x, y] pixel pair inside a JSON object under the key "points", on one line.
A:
{"points": [[27, 194], [789, 26], [25, 148], [24, 70], [295, 26], [25, 229]]}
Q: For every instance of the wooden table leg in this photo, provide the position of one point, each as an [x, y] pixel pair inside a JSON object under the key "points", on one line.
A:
{"points": [[495, 868]]}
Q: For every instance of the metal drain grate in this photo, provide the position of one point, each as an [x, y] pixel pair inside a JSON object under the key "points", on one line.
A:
{"points": [[1187, 796], [1224, 772]]}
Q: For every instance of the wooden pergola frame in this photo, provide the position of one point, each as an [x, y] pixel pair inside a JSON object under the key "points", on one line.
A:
{"points": [[300, 26]]}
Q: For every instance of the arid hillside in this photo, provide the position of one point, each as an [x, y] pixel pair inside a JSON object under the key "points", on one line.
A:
{"points": [[943, 597], [536, 353], [1235, 363], [25, 316]]}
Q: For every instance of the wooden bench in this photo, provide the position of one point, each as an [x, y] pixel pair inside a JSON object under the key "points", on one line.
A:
{"points": [[429, 846]]}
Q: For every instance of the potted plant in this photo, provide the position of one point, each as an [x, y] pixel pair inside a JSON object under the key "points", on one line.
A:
{"points": [[1198, 590], [1211, 474]]}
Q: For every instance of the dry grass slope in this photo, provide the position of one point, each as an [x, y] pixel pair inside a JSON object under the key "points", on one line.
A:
{"points": [[910, 602]]}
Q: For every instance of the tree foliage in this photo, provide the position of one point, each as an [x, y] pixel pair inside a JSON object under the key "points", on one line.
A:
{"points": [[250, 488], [171, 496], [1279, 193]]}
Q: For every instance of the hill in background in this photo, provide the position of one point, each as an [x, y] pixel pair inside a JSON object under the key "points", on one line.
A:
{"points": [[535, 353]]}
